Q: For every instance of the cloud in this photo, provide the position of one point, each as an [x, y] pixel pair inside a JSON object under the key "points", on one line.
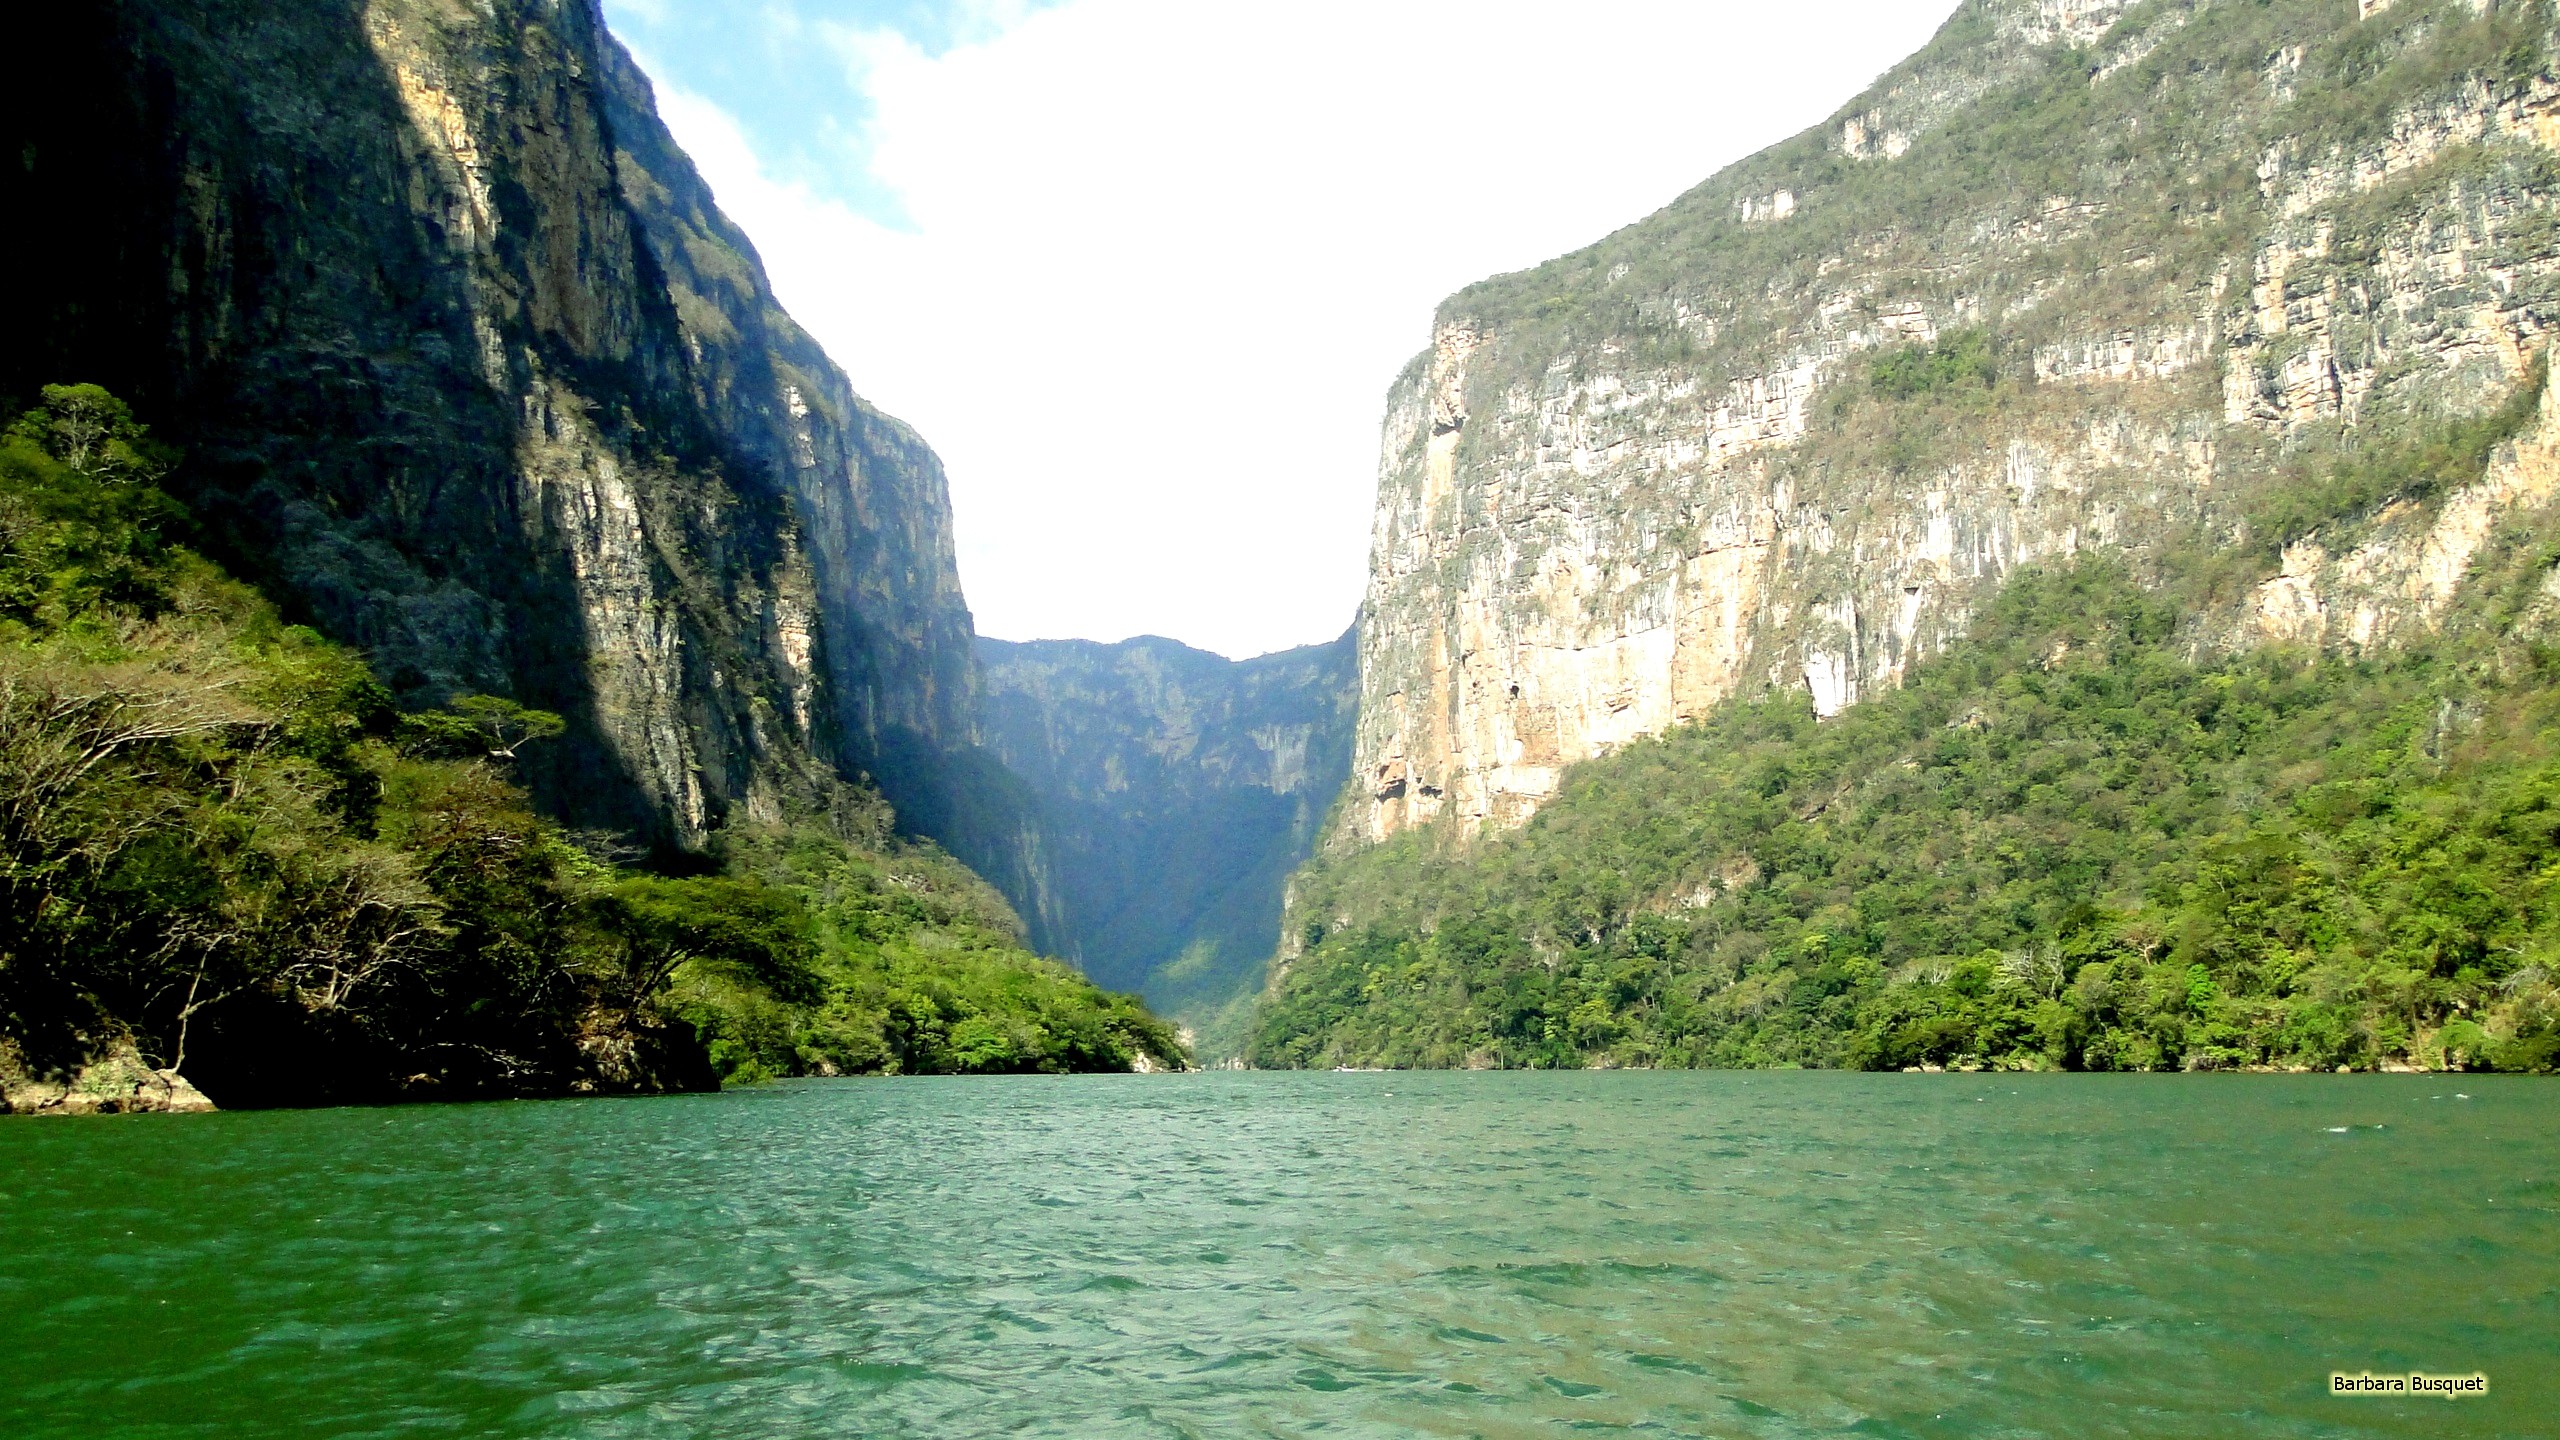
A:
{"points": [[1156, 261]]}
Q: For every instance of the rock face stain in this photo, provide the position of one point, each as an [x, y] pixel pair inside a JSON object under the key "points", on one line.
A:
{"points": [[1621, 488]]}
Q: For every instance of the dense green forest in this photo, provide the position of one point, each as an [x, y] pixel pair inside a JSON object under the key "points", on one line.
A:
{"points": [[223, 850], [2086, 837]]}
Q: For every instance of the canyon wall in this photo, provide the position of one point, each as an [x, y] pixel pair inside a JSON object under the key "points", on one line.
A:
{"points": [[2079, 274], [475, 375], [1176, 790]]}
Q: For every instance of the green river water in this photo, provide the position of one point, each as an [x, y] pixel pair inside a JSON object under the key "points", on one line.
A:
{"points": [[1340, 1255]]}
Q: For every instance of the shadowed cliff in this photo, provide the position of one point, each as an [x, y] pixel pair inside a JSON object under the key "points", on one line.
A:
{"points": [[474, 375]]}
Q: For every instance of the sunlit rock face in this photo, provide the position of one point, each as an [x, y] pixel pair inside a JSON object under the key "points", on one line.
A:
{"points": [[2197, 242], [1176, 790], [476, 374]]}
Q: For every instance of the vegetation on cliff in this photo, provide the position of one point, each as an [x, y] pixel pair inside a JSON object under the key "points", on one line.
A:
{"points": [[2134, 160], [223, 848], [2083, 838]]}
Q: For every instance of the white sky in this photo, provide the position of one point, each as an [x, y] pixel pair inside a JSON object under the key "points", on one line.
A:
{"points": [[1151, 264]]}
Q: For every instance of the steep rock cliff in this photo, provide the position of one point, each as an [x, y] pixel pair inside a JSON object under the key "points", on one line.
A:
{"points": [[1176, 790], [2191, 244], [479, 379]]}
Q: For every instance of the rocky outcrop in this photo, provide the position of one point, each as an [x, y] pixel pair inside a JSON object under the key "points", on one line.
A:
{"points": [[1175, 791], [117, 1082], [2191, 246], [2395, 578], [476, 376]]}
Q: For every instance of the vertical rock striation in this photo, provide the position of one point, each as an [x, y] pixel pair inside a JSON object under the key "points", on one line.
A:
{"points": [[476, 375], [1729, 447], [873, 507], [1176, 790]]}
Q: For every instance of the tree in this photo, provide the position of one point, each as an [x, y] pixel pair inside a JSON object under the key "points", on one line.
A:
{"points": [[479, 726], [742, 926], [95, 434]]}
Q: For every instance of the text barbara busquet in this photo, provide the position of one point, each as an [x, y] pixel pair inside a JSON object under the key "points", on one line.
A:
{"points": [[2413, 1383]]}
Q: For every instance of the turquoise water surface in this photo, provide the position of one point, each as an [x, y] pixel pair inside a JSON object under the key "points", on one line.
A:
{"points": [[1301, 1255]]}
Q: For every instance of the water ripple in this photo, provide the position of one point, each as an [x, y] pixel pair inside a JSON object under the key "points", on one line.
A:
{"points": [[1469, 1255]]}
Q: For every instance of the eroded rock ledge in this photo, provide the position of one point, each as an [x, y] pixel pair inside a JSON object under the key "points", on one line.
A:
{"points": [[119, 1082]]}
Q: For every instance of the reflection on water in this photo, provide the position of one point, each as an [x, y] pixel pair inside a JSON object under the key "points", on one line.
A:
{"points": [[1288, 1255]]}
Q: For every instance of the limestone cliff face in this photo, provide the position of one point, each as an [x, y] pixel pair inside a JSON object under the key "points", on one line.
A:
{"points": [[2199, 241], [473, 371], [1176, 790], [873, 507]]}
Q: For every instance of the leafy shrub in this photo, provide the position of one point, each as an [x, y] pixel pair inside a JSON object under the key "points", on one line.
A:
{"points": [[1958, 361]]}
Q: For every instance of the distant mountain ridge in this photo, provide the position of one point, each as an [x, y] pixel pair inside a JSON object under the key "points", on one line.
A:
{"points": [[1176, 790]]}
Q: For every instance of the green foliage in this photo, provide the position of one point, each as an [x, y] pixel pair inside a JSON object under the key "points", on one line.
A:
{"points": [[2065, 844], [1955, 363], [478, 725], [740, 928], [221, 843], [77, 547], [94, 435], [914, 967]]}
